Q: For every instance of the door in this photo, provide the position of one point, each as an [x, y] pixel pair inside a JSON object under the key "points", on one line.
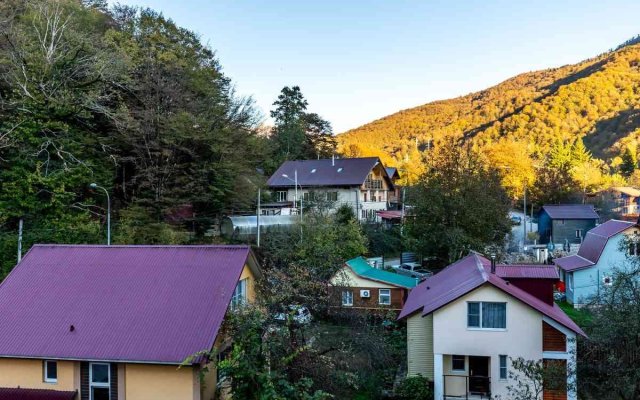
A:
{"points": [[479, 375]]}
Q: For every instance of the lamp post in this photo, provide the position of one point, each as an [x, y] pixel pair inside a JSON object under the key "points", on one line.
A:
{"points": [[96, 186], [295, 185]]}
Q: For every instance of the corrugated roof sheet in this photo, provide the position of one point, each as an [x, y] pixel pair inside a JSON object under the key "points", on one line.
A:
{"points": [[35, 394], [466, 275], [533, 271], [571, 211], [156, 304], [593, 245], [361, 267], [572, 263], [314, 173]]}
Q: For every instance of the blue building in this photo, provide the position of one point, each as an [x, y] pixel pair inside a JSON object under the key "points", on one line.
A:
{"points": [[565, 223], [585, 274]]}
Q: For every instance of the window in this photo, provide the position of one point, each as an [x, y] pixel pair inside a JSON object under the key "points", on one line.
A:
{"points": [[306, 196], [633, 249], [503, 367], [50, 371], [561, 222], [570, 280], [578, 233], [281, 196], [364, 195], [458, 363], [332, 196], [384, 297], [99, 381], [487, 315], [240, 294], [347, 298]]}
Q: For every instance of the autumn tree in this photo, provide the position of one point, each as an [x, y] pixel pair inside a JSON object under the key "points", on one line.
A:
{"points": [[458, 205]]}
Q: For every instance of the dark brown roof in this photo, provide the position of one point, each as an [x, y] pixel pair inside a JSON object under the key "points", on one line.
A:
{"points": [[35, 394], [315, 173]]}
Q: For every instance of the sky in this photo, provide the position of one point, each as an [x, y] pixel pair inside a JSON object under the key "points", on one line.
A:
{"points": [[357, 61]]}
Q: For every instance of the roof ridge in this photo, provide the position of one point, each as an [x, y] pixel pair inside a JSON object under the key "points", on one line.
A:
{"points": [[158, 246]]}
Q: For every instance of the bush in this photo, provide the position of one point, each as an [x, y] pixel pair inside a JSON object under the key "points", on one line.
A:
{"points": [[415, 388]]}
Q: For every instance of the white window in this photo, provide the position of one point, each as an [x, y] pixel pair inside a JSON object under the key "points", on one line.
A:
{"points": [[503, 367], [578, 233], [570, 280], [486, 315], [99, 381], [50, 371], [458, 363], [347, 298], [332, 196], [240, 294], [384, 297], [281, 196]]}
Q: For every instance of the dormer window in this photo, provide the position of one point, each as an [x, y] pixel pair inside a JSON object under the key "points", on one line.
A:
{"points": [[313, 171], [340, 169]]}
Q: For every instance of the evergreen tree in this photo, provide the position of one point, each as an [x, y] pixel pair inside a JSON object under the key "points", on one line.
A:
{"points": [[629, 162]]}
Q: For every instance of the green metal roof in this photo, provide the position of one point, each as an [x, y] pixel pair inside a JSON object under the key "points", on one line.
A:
{"points": [[361, 267]]}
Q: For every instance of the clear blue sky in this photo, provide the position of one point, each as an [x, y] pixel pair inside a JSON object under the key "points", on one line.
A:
{"points": [[358, 60]]}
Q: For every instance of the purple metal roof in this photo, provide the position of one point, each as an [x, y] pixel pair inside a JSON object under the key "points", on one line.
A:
{"points": [[571, 211], [338, 172], [157, 304], [34, 394], [572, 263], [466, 275], [593, 245], [533, 271]]}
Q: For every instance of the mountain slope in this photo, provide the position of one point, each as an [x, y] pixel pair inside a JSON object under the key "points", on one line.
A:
{"points": [[597, 99]]}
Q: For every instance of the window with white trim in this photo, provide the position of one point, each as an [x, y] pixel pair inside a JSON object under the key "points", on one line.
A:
{"points": [[384, 297], [281, 196], [240, 294], [50, 371], [332, 196], [458, 363], [486, 315], [503, 366], [99, 381], [347, 298], [578, 233], [570, 280]]}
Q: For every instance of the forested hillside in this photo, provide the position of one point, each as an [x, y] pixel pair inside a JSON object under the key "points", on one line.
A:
{"points": [[597, 100]]}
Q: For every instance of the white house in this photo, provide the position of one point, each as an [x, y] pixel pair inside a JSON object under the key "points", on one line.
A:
{"points": [[361, 183], [586, 274], [466, 323]]}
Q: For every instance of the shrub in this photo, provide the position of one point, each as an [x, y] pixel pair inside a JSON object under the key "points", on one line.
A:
{"points": [[415, 388]]}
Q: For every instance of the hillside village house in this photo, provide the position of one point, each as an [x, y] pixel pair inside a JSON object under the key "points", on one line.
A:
{"points": [[585, 274], [116, 322], [361, 183], [623, 201], [564, 224], [359, 286], [465, 323]]}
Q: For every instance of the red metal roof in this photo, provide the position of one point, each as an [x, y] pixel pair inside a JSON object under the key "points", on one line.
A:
{"points": [[314, 173], [593, 245], [466, 275], [34, 394], [570, 211], [156, 304], [533, 271]]}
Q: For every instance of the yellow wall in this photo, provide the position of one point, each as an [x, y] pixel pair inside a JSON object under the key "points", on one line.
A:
{"points": [[30, 374], [420, 345], [251, 283], [160, 382]]}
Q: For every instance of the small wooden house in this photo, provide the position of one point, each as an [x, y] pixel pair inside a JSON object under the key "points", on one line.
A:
{"points": [[565, 223]]}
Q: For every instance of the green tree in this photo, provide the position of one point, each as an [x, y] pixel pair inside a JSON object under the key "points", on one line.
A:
{"points": [[629, 162], [458, 206]]}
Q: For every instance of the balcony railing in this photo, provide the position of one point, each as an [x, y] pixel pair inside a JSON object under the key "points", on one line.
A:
{"points": [[373, 184]]}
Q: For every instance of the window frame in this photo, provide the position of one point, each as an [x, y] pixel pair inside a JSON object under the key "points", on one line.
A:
{"points": [[239, 296], [101, 385], [480, 326], [45, 367], [502, 368], [347, 294], [281, 195], [380, 297], [578, 233], [464, 363]]}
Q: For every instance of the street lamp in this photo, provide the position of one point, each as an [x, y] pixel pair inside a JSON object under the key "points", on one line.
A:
{"points": [[96, 186], [295, 185]]}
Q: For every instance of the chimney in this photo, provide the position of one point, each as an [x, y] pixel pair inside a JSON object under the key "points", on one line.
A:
{"points": [[493, 263], [333, 160]]}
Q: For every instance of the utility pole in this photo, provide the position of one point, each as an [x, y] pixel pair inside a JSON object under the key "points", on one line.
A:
{"points": [[524, 219], [258, 219], [20, 239], [295, 187]]}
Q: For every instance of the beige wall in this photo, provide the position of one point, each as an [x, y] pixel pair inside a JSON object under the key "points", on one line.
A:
{"points": [[522, 337], [160, 382], [420, 345], [30, 374], [346, 277]]}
